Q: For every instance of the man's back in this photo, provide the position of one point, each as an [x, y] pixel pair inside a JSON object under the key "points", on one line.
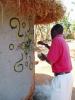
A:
{"points": [[59, 55]]}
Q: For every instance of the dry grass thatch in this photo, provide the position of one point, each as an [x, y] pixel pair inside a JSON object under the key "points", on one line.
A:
{"points": [[45, 11], [49, 11]]}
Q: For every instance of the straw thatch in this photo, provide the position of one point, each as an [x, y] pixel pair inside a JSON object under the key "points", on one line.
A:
{"points": [[48, 11], [45, 11]]}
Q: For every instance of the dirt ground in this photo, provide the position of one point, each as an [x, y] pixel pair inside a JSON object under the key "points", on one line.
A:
{"points": [[45, 69]]}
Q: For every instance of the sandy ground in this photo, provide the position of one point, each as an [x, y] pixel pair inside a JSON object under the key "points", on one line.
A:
{"points": [[44, 68]]}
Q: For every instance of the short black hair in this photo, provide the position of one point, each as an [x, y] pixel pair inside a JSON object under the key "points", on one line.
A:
{"points": [[56, 29]]}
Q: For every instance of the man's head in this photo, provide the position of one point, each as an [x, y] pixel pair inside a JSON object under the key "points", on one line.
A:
{"points": [[56, 30]]}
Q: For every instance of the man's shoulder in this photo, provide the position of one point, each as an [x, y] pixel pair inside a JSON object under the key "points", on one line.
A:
{"points": [[59, 40]]}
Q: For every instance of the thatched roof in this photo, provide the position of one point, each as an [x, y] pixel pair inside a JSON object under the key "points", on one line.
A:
{"points": [[45, 11], [48, 11]]}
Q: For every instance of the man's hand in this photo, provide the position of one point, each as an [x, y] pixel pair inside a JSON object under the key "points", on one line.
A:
{"points": [[42, 56], [46, 45], [41, 43]]}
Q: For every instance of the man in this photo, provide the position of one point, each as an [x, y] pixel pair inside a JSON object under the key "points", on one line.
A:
{"points": [[59, 58]]}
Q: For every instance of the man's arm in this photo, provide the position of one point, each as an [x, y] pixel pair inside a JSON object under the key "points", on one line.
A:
{"points": [[53, 53], [43, 58], [42, 43]]}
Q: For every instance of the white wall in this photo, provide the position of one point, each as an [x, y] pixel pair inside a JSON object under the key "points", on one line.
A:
{"points": [[16, 56]]}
